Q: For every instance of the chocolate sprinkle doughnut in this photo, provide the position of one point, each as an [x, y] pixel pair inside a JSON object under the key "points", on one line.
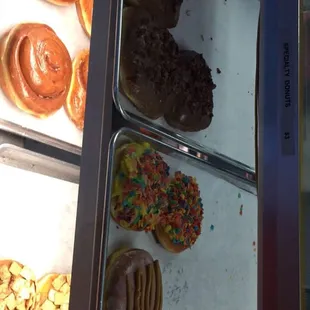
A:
{"points": [[166, 13], [191, 105], [148, 62]]}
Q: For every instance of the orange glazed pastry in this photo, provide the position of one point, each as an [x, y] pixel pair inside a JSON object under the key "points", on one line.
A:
{"points": [[35, 69], [17, 286], [54, 292], [84, 9], [75, 103], [61, 2]]}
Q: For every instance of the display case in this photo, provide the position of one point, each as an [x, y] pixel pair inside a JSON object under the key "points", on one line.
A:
{"points": [[226, 253], [238, 145]]}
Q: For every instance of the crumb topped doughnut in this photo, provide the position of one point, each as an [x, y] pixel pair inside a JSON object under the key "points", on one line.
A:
{"points": [[166, 12], [139, 191], [191, 105], [180, 223], [147, 63]]}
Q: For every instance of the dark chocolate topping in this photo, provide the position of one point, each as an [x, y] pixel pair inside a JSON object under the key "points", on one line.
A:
{"points": [[154, 55], [148, 62], [192, 105], [165, 12]]}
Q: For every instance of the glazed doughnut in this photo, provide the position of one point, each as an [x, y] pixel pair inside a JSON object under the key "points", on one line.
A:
{"points": [[191, 106], [61, 2], [147, 62], [141, 177], [54, 291], [180, 222], [166, 12], [132, 281], [35, 69], [17, 286], [76, 99], [84, 10]]}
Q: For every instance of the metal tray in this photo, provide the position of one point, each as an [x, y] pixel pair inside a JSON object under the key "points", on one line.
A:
{"points": [[37, 136], [40, 194], [225, 33], [225, 254], [19, 157]]}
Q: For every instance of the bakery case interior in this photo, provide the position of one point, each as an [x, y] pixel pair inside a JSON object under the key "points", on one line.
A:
{"points": [[127, 155]]}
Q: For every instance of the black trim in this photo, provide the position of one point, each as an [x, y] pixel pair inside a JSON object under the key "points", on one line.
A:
{"points": [[278, 178], [97, 133]]}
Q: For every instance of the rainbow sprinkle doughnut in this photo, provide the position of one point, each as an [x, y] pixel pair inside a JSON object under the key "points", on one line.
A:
{"points": [[139, 191], [182, 218]]}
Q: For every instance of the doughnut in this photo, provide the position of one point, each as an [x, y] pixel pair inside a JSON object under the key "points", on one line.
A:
{"points": [[147, 62], [35, 69], [166, 12], [84, 10], [61, 2], [76, 99], [139, 189], [54, 292], [180, 221], [17, 286], [133, 281], [191, 106]]}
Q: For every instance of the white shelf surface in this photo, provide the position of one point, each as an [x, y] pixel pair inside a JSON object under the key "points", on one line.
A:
{"points": [[38, 215]]}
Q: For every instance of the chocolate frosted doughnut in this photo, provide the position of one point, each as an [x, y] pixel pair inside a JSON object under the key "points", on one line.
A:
{"points": [[132, 281], [166, 12], [148, 62], [191, 105]]}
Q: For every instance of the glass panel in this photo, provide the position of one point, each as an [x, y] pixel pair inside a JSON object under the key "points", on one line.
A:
{"points": [[43, 83], [44, 65]]}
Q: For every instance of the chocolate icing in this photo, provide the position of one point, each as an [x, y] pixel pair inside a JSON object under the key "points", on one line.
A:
{"points": [[191, 104], [165, 12], [148, 62], [134, 282]]}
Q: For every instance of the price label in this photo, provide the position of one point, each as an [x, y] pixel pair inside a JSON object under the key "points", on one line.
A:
{"points": [[288, 103]]}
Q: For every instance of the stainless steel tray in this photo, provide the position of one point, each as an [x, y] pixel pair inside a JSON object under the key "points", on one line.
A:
{"points": [[226, 246], [37, 136], [18, 157], [225, 32]]}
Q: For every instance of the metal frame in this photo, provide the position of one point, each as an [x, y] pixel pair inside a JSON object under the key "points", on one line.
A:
{"points": [[19, 157], [97, 132], [278, 162], [278, 157], [37, 136]]}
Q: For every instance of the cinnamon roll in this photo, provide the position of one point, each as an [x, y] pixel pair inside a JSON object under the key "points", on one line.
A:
{"points": [[35, 69], [76, 99], [62, 2], [84, 10]]}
